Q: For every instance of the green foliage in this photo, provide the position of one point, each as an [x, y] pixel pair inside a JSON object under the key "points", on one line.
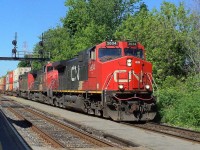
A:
{"points": [[179, 104], [102, 13], [163, 33], [58, 42], [184, 112], [24, 64], [77, 16], [91, 35]]}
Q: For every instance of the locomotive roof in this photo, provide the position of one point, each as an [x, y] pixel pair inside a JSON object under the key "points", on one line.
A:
{"points": [[62, 63], [33, 71]]}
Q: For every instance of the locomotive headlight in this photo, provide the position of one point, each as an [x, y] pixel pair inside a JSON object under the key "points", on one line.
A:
{"points": [[147, 87], [121, 86], [129, 62]]}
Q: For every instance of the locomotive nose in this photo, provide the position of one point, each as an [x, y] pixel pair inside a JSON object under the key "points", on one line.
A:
{"points": [[134, 75]]}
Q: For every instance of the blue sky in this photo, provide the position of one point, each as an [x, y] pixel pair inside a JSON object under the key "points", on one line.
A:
{"points": [[156, 3], [29, 18]]}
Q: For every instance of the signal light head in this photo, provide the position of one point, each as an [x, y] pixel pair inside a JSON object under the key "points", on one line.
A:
{"points": [[41, 43], [14, 42]]}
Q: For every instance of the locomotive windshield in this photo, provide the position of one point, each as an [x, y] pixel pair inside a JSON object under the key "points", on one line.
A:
{"points": [[134, 52], [106, 54]]}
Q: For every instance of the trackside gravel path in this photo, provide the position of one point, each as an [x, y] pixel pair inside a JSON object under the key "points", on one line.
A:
{"points": [[147, 139]]}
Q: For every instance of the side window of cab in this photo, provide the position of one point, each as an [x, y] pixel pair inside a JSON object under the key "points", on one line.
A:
{"points": [[93, 54], [49, 68], [44, 69]]}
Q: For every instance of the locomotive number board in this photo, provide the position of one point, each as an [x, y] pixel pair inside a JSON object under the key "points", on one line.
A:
{"points": [[111, 43], [132, 43]]}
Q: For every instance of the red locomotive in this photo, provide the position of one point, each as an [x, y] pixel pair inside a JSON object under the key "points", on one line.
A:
{"points": [[112, 79]]}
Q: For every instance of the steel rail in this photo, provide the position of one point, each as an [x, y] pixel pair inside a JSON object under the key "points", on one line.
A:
{"points": [[83, 135], [45, 136], [20, 142], [177, 132]]}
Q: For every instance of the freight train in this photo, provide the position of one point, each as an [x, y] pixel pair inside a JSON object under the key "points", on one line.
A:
{"points": [[111, 79]]}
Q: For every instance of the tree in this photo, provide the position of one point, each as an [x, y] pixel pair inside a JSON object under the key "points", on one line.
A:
{"points": [[24, 64], [89, 22], [103, 13], [163, 34], [58, 43], [193, 39]]}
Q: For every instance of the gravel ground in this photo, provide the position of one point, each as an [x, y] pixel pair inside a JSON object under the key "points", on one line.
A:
{"points": [[29, 136], [36, 142], [147, 139]]}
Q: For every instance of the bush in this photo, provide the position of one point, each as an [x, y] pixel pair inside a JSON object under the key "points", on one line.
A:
{"points": [[179, 102], [188, 111]]}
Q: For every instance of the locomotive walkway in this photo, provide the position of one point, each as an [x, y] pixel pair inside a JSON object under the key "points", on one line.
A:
{"points": [[9, 138], [147, 139]]}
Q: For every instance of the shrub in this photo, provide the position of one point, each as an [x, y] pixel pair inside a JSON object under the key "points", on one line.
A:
{"points": [[179, 102]]}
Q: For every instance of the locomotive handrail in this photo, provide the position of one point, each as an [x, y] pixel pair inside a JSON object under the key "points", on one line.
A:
{"points": [[152, 80], [32, 84], [50, 86], [125, 99], [111, 74], [52, 82]]}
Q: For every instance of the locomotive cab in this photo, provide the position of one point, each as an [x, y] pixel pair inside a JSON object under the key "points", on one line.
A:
{"points": [[121, 66], [50, 77]]}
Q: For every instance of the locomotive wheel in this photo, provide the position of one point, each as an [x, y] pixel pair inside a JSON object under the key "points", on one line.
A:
{"points": [[98, 112], [33, 97], [91, 111], [30, 96], [55, 102], [61, 105]]}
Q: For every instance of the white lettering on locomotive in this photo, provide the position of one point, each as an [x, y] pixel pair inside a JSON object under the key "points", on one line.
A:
{"points": [[75, 73], [130, 73], [92, 67]]}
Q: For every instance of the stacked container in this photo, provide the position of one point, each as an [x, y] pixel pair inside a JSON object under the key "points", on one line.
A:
{"points": [[10, 81], [7, 82], [2, 84], [16, 73]]}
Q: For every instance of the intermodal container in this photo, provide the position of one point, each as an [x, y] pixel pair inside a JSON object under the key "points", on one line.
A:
{"points": [[19, 71], [11, 77], [16, 73], [10, 87], [7, 78], [2, 84], [7, 87]]}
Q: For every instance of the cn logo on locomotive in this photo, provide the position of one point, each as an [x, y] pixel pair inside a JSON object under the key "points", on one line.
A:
{"points": [[130, 73]]}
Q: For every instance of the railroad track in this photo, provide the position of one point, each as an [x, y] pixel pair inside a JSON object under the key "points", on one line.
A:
{"points": [[10, 135], [54, 132], [186, 134]]}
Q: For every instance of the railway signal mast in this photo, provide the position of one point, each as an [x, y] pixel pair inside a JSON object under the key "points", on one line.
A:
{"points": [[28, 56]]}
